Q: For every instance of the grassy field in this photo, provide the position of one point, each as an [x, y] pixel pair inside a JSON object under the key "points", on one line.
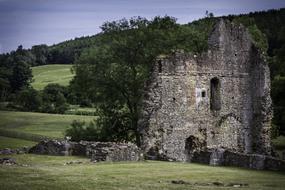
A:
{"points": [[50, 172], [51, 125], [77, 110], [7, 142], [55, 73]]}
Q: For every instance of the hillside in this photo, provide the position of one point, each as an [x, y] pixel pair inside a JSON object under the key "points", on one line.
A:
{"points": [[47, 74], [8, 142], [31, 126]]}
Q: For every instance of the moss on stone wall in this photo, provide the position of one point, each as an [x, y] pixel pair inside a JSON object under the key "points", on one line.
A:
{"points": [[259, 38]]}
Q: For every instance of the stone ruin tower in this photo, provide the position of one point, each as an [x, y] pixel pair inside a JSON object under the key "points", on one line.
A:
{"points": [[219, 99]]}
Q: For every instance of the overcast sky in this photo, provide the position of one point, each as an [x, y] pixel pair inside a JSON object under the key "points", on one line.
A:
{"points": [[31, 22]]}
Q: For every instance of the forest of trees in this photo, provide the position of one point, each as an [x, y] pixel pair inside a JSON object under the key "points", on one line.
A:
{"points": [[112, 67]]}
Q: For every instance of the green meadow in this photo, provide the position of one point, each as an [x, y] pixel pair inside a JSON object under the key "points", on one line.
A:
{"points": [[54, 73], [44, 172], [8, 142], [50, 125], [51, 172]]}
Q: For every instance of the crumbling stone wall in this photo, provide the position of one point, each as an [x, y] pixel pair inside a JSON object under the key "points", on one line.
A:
{"points": [[220, 98], [102, 151], [97, 151], [52, 147], [223, 157]]}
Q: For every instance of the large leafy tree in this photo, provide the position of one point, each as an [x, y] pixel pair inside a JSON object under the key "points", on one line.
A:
{"points": [[20, 62], [15, 71], [113, 75], [41, 54], [5, 73]]}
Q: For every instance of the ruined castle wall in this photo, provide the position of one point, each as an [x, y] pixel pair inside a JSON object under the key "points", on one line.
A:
{"points": [[228, 59], [180, 114], [262, 110]]}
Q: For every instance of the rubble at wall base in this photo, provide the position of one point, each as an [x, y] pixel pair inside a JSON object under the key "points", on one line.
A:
{"points": [[222, 157]]}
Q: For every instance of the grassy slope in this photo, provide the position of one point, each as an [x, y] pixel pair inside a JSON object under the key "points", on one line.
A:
{"points": [[77, 110], [49, 172], [52, 125], [6, 142], [55, 73]]}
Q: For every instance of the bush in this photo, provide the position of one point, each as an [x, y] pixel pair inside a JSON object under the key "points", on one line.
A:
{"points": [[81, 131], [54, 99], [29, 99], [85, 102], [274, 131]]}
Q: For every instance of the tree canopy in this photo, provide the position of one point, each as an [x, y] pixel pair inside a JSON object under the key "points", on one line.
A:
{"points": [[15, 71]]}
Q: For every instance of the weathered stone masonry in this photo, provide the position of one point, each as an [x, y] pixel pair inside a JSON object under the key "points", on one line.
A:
{"points": [[219, 99], [97, 151]]}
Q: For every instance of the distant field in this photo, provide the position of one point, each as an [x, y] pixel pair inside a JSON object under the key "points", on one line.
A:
{"points": [[77, 110], [55, 73], [51, 125], [49, 172]]}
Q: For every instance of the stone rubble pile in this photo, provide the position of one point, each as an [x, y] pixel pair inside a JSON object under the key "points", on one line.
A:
{"points": [[108, 151], [8, 161], [52, 147], [7, 151], [222, 157]]}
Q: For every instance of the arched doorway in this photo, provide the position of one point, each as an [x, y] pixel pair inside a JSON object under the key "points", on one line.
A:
{"points": [[192, 144]]}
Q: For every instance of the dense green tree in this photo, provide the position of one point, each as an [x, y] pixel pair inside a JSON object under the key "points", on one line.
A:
{"points": [[5, 73], [29, 99], [54, 100], [88, 132], [15, 73], [41, 53], [61, 56], [20, 61], [23, 55], [278, 94], [21, 76]]}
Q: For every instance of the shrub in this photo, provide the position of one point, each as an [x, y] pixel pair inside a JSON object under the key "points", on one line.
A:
{"points": [[54, 99], [274, 131], [29, 99], [81, 131]]}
